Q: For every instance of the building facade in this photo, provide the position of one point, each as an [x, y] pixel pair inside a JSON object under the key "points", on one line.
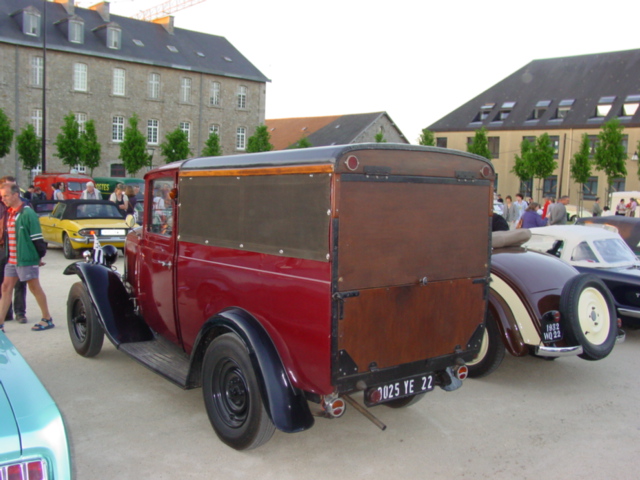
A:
{"points": [[108, 68], [565, 98]]}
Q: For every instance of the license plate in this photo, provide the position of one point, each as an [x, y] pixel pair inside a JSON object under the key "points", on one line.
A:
{"points": [[107, 231], [551, 331], [398, 389]]}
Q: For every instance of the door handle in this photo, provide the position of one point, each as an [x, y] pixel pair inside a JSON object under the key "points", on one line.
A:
{"points": [[164, 264]]}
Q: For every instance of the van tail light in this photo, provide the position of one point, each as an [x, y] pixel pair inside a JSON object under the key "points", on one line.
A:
{"points": [[333, 406], [33, 470], [461, 372]]}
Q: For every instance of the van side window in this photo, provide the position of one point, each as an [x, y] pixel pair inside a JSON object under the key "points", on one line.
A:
{"points": [[161, 218]]}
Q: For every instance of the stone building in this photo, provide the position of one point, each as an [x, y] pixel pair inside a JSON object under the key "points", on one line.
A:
{"points": [[564, 97], [333, 130], [108, 68]]}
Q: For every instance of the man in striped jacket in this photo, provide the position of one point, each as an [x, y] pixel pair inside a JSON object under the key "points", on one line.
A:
{"points": [[26, 248]]}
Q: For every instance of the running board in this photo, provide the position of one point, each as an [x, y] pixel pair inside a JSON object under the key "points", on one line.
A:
{"points": [[162, 357]]}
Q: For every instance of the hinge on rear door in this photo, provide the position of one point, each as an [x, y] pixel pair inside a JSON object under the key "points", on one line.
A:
{"points": [[340, 296]]}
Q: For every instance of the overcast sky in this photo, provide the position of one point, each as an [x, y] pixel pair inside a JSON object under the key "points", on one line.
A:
{"points": [[417, 60]]}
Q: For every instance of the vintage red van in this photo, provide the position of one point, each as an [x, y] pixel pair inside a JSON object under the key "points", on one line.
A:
{"points": [[284, 282], [74, 183]]}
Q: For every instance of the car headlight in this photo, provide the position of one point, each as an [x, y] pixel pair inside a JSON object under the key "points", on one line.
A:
{"points": [[88, 232]]}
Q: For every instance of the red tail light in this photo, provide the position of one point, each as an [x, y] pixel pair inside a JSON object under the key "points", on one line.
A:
{"points": [[462, 372], [35, 470]]}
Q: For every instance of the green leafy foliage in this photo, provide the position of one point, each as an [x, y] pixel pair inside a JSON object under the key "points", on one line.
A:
{"points": [[302, 143], [379, 138], [176, 146], [610, 156], [542, 162], [29, 147], [212, 146], [6, 134], [427, 137], [260, 140], [480, 144], [68, 142], [133, 148], [522, 166], [580, 163], [90, 148]]}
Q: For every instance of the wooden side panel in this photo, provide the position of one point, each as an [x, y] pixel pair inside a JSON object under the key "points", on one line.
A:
{"points": [[394, 326]]}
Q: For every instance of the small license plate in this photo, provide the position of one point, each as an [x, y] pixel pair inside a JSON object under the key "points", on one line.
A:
{"points": [[551, 331], [398, 389], [107, 231]]}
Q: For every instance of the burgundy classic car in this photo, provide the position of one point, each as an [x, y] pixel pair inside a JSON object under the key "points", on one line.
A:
{"points": [[284, 282]]}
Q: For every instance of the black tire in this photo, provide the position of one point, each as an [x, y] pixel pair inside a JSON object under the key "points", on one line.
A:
{"points": [[406, 401], [85, 330], [492, 350], [232, 396], [67, 248], [589, 316]]}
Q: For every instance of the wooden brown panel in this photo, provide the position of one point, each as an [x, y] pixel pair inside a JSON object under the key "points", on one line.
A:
{"points": [[393, 326], [397, 233]]}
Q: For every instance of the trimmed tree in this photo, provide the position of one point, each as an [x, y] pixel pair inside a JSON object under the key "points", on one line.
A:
{"points": [[90, 148], [522, 166], [581, 167], [68, 142], [6, 134], [542, 162], [302, 143], [133, 148], [379, 138], [480, 144], [175, 146], [427, 137], [259, 141], [212, 146], [29, 147], [610, 156]]}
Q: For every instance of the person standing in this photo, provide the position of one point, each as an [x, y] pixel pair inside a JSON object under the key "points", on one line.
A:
{"points": [[558, 211], [510, 212], [520, 205], [26, 247], [91, 193], [38, 195], [597, 209], [120, 199], [531, 218], [57, 191], [632, 207], [545, 208], [621, 208]]}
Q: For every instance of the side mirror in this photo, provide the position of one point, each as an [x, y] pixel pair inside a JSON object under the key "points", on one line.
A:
{"points": [[130, 221]]}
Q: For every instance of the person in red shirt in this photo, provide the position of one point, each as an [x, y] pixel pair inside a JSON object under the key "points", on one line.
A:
{"points": [[545, 207]]}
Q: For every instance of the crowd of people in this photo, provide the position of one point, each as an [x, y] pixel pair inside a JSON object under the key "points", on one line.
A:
{"points": [[523, 213]]}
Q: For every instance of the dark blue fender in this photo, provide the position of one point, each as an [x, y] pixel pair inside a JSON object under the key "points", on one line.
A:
{"points": [[113, 305], [287, 406]]}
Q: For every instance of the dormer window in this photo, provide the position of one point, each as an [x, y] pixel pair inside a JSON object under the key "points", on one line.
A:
{"points": [[630, 106], [483, 114], [564, 107], [540, 109], [604, 106], [114, 35], [76, 31], [505, 110], [31, 23]]}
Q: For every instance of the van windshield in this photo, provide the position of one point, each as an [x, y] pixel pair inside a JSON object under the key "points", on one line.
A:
{"points": [[76, 186]]}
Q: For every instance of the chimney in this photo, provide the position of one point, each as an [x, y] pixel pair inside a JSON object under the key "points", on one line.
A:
{"points": [[67, 4], [103, 10], [166, 22]]}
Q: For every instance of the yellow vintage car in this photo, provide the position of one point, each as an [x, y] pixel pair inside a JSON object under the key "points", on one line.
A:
{"points": [[73, 224]]}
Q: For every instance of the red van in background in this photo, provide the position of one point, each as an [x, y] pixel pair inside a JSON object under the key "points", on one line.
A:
{"points": [[74, 183]]}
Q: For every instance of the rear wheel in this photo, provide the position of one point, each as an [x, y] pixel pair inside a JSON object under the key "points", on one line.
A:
{"points": [[232, 396], [85, 330], [67, 248], [491, 352], [589, 316]]}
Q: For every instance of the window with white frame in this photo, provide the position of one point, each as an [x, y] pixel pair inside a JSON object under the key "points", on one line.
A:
{"points": [[185, 90], [186, 128], [76, 31], [37, 71], [80, 168], [241, 138], [214, 94], [80, 77], [154, 85], [630, 106], [117, 129], [604, 106], [242, 97], [118, 81], [152, 131], [113, 37], [214, 128], [31, 25], [81, 118], [36, 121]]}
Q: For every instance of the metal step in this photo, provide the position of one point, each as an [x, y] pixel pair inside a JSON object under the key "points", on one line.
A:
{"points": [[162, 357]]}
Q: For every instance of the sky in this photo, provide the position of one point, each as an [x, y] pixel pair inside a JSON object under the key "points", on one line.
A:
{"points": [[417, 60]]}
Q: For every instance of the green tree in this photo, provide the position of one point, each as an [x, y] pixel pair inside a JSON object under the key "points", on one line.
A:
{"points": [[581, 166], [522, 166], [6, 134], [302, 143], [259, 141], [212, 146], [29, 147], [176, 146], [542, 162], [379, 138], [68, 142], [427, 137], [610, 156], [133, 148], [90, 148], [480, 144]]}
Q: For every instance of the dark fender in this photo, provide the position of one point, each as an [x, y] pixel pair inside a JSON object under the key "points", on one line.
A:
{"points": [[507, 325], [287, 406], [112, 303]]}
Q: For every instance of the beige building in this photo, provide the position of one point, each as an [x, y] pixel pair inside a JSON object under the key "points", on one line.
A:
{"points": [[565, 98], [107, 68]]}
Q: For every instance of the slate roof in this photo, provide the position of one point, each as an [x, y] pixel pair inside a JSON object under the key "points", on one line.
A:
{"points": [[220, 57], [585, 79], [322, 131]]}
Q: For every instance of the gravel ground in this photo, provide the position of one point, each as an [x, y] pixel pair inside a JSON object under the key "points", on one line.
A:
{"points": [[561, 419]]}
